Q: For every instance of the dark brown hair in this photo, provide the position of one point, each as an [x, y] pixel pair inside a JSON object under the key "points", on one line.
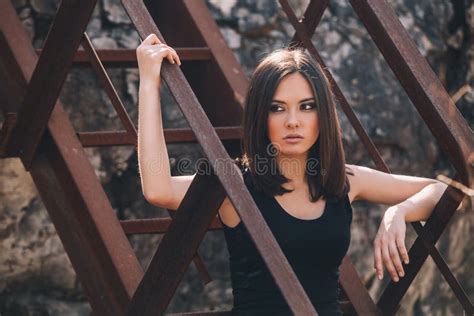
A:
{"points": [[328, 176]]}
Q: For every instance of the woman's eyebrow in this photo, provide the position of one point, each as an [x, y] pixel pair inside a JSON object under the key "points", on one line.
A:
{"points": [[304, 100]]}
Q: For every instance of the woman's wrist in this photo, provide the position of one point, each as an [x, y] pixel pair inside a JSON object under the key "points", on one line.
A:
{"points": [[149, 85], [397, 211]]}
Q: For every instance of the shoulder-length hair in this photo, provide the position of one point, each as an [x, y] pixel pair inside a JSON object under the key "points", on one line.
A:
{"points": [[325, 168]]}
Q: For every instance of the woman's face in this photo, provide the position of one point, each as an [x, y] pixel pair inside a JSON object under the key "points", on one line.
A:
{"points": [[293, 111]]}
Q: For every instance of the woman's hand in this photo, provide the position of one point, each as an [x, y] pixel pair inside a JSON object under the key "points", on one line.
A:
{"points": [[150, 54], [389, 244]]}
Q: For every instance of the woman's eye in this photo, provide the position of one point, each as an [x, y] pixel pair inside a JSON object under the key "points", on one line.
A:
{"points": [[308, 106], [275, 108]]}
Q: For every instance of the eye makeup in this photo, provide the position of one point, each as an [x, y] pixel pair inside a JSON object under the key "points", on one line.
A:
{"points": [[305, 106]]}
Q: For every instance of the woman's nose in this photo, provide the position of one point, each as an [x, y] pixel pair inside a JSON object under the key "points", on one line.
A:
{"points": [[292, 120]]}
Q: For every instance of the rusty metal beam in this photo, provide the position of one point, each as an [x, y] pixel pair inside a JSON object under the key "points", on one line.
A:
{"points": [[233, 184], [421, 84], [6, 134], [127, 58], [108, 86], [311, 18], [126, 121], [172, 135], [305, 37], [442, 213], [177, 248], [223, 100], [61, 44], [355, 290], [306, 41], [349, 279], [157, 225], [222, 54], [76, 202], [14, 88], [446, 272]]}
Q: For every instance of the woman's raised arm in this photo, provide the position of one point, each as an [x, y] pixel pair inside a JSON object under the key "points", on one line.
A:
{"points": [[158, 186], [152, 153]]}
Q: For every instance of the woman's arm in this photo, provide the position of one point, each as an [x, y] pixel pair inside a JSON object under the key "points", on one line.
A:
{"points": [[152, 153], [158, 186], [420, 205], [410, 199], [385, 188]]}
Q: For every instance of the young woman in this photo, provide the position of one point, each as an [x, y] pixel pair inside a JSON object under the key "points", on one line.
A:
{"points": [[294, 166]]}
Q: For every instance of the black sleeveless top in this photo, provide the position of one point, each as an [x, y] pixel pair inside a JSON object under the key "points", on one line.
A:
{"points": [[314, 249]]}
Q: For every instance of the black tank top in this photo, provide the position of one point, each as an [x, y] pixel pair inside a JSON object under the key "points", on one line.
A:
{"points": [[314, 249]]}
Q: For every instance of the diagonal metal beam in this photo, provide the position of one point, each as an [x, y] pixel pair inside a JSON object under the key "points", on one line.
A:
{"points": [[178, 246], [108, 86], [233, 184], [432, 230], [355, 290], [6, 133], [446, 272], [90, 232], [311, 18], [48, 77], [304, 34], [350, 280], [421, 84]]}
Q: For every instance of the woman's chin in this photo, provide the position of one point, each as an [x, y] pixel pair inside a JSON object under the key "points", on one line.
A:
{"points": [[288, 152]]}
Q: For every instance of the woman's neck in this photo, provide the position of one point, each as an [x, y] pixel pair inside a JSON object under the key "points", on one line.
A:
{"points": [[293, 168]]}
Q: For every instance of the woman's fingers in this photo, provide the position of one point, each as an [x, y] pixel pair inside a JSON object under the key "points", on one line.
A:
{"points": [[401, 248], [388, 262], [151, 40], [392, 248], [163, 51], [169, 56], [176, 57], [378, 259]]}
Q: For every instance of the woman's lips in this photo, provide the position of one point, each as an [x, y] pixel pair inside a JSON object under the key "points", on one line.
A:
{"points": [[293, 140]]}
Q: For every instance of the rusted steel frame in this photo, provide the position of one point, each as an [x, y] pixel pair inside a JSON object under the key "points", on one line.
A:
{"points": [[310, 19], [232, 182], [131, 130], [172, 135], [178, 246], [160, 225], [157, 225], [127, 58], [101, 139], [353, 286], [421, 84], [6, 134], [446, 272], [59, 49], [356, 290], [14, 88], [197, 260], [108, 86], [223, 56], [373, 154], [430, 98], [442, 213], [195, 27], [305, 38], [79, 208]]}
